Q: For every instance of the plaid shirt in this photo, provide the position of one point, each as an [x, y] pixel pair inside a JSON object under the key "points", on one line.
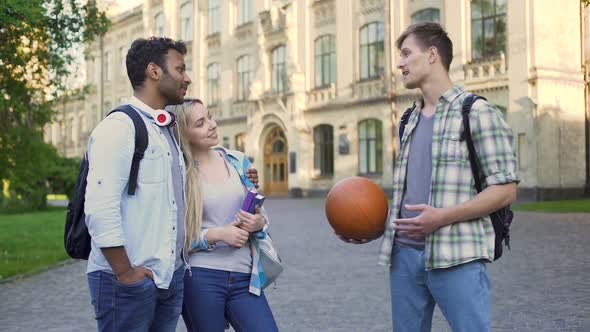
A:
{"points": [[452, 180]]}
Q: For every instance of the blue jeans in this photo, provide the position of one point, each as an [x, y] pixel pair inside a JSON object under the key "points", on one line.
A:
{"points": [[213, 296], [140, 306], [462, 293]]}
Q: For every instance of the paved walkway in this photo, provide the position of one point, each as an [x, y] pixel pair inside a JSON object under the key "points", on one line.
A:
{"points": [[543, 284]]}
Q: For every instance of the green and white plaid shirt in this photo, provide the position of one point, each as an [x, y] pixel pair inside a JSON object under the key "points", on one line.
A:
{"points": [[452, 181]]}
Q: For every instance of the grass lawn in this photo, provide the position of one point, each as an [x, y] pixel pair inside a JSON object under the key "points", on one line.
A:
{"points": [[29, 241], [578, 205]]}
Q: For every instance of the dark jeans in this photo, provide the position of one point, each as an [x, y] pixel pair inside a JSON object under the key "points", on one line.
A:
{"points": [[140, 306], [213, 296]]}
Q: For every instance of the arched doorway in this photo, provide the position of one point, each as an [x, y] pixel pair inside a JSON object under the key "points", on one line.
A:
{"points": [[275, 163]]}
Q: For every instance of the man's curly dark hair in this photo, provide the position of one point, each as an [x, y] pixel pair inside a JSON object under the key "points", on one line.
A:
{"points": [[143, 51]]}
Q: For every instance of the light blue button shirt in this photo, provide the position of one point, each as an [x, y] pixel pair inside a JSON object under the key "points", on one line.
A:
{"points": [[146, 223]]}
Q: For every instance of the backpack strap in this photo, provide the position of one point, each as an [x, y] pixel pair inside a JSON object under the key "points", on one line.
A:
{"points": [[466, 135], [404, 120], [141, 143]]}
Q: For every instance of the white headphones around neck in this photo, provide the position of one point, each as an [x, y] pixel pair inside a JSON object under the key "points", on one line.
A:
{"points": [[164, 118]]}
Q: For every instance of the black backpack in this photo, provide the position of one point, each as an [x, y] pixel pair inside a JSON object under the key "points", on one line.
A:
{"points": [[76, 236], [501, 218]]}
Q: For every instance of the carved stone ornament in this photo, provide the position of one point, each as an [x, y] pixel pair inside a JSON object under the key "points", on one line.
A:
{"points": [[324, 13], [372, 6]]}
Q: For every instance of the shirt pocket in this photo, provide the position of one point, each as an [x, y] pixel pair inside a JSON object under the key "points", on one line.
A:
{"points": [[152, 166], [452, 148]]}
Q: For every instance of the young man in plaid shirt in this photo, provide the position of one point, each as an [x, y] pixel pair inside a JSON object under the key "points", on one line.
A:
{"points": [[439, 233]]}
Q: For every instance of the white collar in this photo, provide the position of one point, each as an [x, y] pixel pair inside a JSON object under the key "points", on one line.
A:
{"points": [[134, 101]]}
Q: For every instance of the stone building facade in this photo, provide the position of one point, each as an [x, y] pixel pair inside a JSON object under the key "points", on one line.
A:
{"points": [[310, 91]]}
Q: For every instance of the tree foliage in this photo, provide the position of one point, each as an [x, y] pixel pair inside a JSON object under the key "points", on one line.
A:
{"points": [[36, 37]]}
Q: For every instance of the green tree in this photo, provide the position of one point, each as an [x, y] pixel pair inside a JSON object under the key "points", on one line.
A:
{"points": [[36, 37]]}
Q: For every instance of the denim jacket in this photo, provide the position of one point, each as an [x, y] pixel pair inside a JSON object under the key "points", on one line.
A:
{"points": [[241, 164], [145, 223]]}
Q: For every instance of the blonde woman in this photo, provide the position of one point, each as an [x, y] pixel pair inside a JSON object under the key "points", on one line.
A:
{"points": [[224, 283]]}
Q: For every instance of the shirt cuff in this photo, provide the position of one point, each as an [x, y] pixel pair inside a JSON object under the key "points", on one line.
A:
{"points": [[109, 240], [261, 234], [502, 178], [202, 243]]}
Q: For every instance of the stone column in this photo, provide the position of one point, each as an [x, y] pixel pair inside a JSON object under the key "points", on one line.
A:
{"points": [[148, 20], [456, 18]]}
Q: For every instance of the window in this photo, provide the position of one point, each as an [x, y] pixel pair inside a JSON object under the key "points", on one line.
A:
{"points": [[97, 66], [188, 60], [213, 84], [95, 115], [244, 67], [123, 56], [75, 123], [160, 22], [55, 137], [325, 61], [108, 106], [83, 124], [372, 50], [107, 66], [186, 21], [370, 147], [426, 15], [323, 139], [522, 151], [226, 142], [244, 11], [240, 142], [279, 69], [214, 17], [488, 28], [69, 130]]}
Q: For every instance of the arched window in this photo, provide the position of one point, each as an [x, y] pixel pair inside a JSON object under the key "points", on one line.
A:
{"points": [[325, 60], [488, 28], [213, 84], [323, 139], [370, 147], [244, 11], [426, 15], [160, 24], [213, 17], [372, 60], [279, 69], [186, 21], [244, 72]]}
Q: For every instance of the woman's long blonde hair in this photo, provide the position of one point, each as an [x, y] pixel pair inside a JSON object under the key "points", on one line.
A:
{"points": [[193, 215]]}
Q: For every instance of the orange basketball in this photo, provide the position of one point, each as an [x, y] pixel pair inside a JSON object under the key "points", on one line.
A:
{"points": [[356, 208]]}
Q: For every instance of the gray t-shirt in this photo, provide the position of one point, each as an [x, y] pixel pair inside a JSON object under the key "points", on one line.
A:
{"points": [[178, 186], [221, 202], [418, 176]]}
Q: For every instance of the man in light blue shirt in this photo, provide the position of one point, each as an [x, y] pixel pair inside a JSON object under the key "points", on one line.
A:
{"points": [[137, 263]]}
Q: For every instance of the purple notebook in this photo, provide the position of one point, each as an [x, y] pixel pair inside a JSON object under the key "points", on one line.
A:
{"points": [[252, 200]]}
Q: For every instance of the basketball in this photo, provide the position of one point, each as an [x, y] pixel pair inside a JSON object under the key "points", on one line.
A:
{"points": [[357, 208]]}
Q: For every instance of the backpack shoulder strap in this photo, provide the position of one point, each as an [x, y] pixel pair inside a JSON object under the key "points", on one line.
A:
{"points": [[473, 159], [404, 120], [141, 143]]}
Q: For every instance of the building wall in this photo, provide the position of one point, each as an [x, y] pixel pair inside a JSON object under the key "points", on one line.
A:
{"points": [[538, 82], [70, 128]]}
